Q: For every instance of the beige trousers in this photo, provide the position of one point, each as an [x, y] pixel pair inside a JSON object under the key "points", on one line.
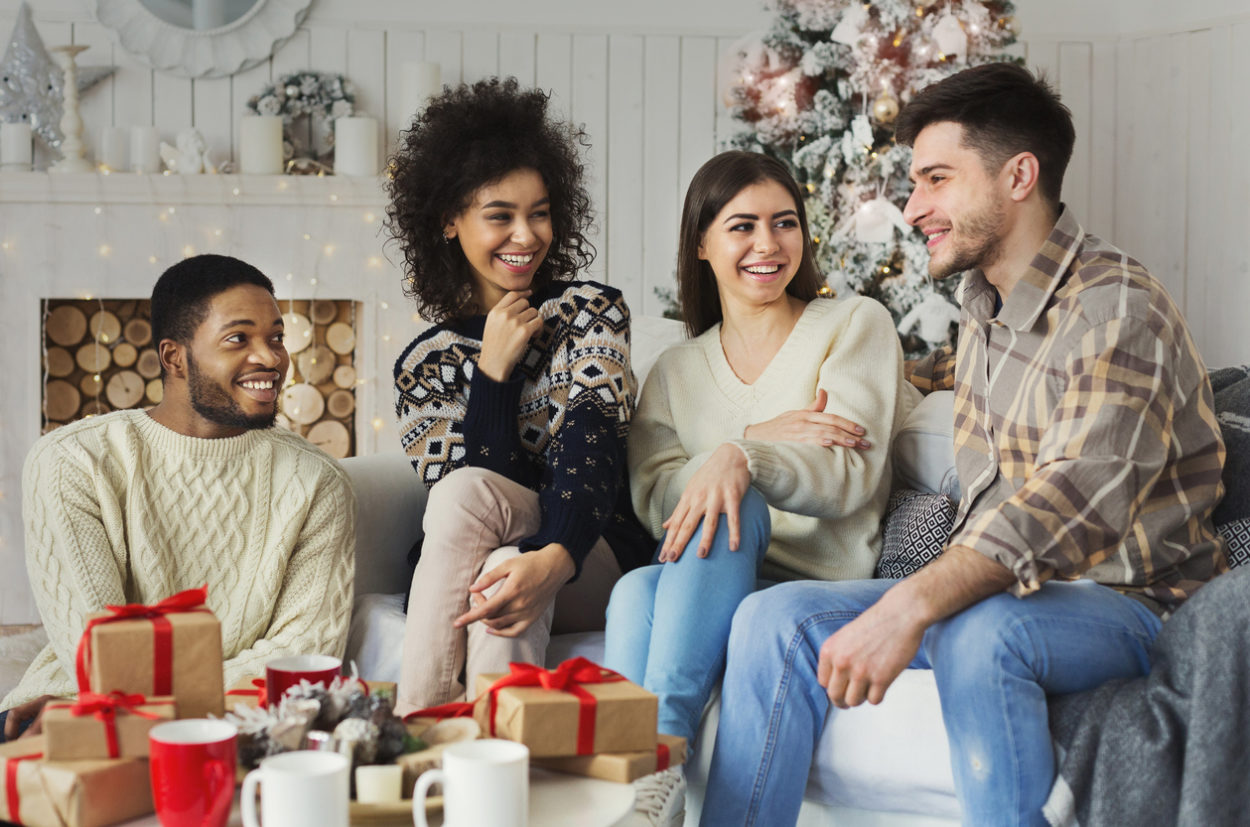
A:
{"points": [[473, 520]]}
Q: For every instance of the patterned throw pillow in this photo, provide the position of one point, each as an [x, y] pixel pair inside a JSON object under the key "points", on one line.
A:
{"points": [[915, 528], [1237, 533]]}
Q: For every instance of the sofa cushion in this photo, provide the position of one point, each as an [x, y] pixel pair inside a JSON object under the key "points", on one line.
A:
{"points": [[1232, 408], [915, 529], [924, 448]]}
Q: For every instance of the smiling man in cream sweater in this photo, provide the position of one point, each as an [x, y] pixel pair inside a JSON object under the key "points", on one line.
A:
{"points": [[135, 505]]}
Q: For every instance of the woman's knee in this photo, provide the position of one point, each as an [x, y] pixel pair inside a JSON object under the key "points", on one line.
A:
{"points": [[634, 593], [753, 516], [466, 493]]}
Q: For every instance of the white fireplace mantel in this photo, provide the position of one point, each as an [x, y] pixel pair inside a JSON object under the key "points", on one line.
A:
{"points": [[98, 235], [206, 190]]}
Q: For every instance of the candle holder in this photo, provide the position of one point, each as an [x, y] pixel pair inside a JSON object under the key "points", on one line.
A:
{"points": [[72, 148]]}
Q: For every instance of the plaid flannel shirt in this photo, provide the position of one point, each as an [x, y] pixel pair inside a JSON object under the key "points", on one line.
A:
{"points": [[1086, 441]]}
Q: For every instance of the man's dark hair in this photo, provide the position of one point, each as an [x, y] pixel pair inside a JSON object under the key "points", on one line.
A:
{"points": [[182, 294], [1004, 110]]}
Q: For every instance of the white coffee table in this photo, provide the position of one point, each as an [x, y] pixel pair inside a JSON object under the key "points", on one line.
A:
{"points": [[556, 800]]}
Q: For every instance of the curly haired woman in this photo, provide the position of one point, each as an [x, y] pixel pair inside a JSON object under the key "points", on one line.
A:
{"points": [[514, 406]]}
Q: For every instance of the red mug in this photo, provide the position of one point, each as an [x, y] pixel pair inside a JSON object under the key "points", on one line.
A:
{"points": [[283, 673], [192, 764]]}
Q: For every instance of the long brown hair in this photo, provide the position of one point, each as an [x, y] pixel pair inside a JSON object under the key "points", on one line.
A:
{"points": [[716, 184]]}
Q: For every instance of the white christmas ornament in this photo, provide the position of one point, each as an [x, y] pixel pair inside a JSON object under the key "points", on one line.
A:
{"points": [[851, 26], [950, 38], [190, 156], [935, 315], [876, 220]]}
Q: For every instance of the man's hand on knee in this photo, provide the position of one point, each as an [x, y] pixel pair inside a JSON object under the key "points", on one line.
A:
{"points": [[860, 661], [30, 711]]}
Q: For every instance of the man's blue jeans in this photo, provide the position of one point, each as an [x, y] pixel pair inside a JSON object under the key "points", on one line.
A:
{"points": [[994, 662], [668, 624]]}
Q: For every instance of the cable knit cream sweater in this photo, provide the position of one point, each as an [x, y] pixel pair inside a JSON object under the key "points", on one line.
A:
{"points": [[120, 509], [826, 504]]}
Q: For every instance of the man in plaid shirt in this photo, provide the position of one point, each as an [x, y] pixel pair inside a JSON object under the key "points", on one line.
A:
{"points": [[1089, 458]]}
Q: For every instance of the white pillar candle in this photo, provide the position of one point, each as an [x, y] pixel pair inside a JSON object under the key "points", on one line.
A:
{"points": [[145, 149], [379, 783], [420, 81], [15, 146], [356, 146], [260, 145], [115, 149]]}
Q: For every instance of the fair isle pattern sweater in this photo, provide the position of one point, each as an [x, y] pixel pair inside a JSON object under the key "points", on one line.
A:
{"points": [[556, 426], [120, 509], [825, 504]]}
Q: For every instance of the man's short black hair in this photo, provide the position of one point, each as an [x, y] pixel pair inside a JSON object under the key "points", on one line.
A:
{"points": [[1004, 110], [182, 294]]}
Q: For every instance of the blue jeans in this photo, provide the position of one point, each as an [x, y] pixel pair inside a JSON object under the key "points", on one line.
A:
{"points": [[668, 623], [994, 663]]}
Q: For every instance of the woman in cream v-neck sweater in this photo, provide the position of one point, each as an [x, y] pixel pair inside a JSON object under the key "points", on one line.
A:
{"points": [[744, 455]]}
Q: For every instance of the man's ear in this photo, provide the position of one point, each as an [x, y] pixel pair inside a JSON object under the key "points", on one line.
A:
{"points": [[173, 358], [1022, 172]]}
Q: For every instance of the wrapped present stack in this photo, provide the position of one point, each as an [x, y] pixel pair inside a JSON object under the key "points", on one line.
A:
{"points": [[169, 648], [93, 793], [137, 666], [578, 718]]}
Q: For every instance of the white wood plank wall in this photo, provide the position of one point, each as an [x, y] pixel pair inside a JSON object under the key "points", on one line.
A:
{"points": [[1156, 168]]}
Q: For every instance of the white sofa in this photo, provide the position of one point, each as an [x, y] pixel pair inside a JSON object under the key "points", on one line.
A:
{"points": [[875, 767]]}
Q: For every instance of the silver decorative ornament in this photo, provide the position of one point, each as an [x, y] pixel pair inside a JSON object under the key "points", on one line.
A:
{"points": [[31, 82]]}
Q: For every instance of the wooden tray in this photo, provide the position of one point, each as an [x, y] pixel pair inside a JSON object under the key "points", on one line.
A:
{"points": [[386, 815]]}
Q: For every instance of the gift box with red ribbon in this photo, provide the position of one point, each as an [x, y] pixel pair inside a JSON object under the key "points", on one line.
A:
{"points": [[622, 767], [578, 708], [96, 793], [102, 726], [168, 648]]}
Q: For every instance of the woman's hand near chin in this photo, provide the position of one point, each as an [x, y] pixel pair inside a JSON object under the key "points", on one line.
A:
{"points": [[716, 488], [510, 325], [810, 424]]}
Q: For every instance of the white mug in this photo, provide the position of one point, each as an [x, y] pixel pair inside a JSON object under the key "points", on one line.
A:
{"points": [[484, 782], [299, 789]]}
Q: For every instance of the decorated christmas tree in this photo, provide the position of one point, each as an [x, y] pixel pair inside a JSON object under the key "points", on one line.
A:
{"points": [[820, 91]]}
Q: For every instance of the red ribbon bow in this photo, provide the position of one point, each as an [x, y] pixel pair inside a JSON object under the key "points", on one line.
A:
{"points": [[104, 708], [191, 600], [12, 795], [257, 691], [567, 677]]}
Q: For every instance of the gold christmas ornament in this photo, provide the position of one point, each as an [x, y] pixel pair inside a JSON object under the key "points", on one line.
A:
{"points": [[885, 108]]}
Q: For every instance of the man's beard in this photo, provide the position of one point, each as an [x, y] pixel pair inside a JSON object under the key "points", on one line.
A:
{"points": [[980, 244], [211, 401]]}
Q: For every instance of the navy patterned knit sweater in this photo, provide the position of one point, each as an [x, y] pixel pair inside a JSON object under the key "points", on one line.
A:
{"points": [[557, 425]]}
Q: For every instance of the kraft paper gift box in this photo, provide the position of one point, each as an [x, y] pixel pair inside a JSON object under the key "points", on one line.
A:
{"points": [[102, 726], [585, 718], [170, 648], [622, 767], [41, 793]]}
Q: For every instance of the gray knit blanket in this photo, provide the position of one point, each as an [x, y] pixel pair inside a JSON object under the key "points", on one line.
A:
{"points": [[1171, 748]]}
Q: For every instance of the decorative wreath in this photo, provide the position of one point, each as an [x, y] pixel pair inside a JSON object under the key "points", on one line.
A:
{"points": [[308, 102]]}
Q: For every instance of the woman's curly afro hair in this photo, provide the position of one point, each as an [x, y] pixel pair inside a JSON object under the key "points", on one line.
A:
{"points": [[466, 138]]}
